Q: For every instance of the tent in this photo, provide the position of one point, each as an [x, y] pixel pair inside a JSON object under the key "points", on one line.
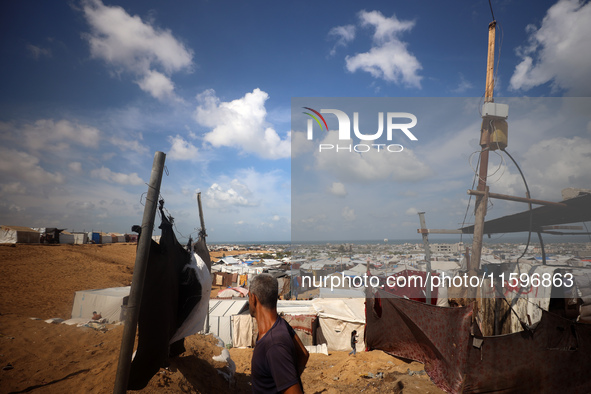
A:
{"points": [[18, 234], [80, 238], [301, 315], [220, 317], [67, 238], [108, 302], [338, 318]]}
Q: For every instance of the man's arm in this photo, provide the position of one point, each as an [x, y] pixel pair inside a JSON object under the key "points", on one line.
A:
{"points": [[302, 354], [295, 389]]}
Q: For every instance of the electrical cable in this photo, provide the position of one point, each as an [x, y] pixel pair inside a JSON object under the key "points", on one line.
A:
{"points": [[531, 215], [491, 10]]}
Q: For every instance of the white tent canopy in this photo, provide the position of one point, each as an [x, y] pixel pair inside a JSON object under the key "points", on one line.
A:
{"points": [[107, 302], [18, 234]]}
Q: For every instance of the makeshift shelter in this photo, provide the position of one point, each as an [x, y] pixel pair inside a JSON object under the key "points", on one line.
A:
{"points": [[551, 357], [67, 238], [338, 318], [108, 302], [220, 317], [301, 315], [80, 238], [18, 234], [94, 237], [229, 260]]}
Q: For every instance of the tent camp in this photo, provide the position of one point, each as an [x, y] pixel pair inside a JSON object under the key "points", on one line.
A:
{"points": [[320, 321], [107, 302], [18, 234]]}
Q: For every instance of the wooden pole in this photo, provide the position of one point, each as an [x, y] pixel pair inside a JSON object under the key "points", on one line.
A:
{"points": [[139, 274], [482, 200], [427, 257]]}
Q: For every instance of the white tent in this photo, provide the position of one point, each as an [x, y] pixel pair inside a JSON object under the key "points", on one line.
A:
{"points": [[67, 238], [18, 234], [107, 302], [272, 262], [338, 318], [80, 238], [220, 316], [229, 260]]}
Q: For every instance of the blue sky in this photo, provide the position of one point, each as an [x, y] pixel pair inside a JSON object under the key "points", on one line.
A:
{"points": [[89, 90]]}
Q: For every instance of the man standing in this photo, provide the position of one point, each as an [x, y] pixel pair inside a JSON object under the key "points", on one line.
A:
{"points": [[279, 357]]}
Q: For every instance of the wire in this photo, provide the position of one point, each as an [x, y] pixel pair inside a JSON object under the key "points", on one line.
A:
{"points": [[531, 215], [586, 229], [491, 10]]}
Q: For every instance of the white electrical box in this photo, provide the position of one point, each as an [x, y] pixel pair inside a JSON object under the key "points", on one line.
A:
{"points": [[495, 109]]}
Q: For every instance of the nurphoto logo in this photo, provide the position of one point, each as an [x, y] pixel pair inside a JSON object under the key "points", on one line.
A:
{"points": [[392, 125]]}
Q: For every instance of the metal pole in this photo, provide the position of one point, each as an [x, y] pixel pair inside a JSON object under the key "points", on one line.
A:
{"points": [[139, 273], [427, 256]]}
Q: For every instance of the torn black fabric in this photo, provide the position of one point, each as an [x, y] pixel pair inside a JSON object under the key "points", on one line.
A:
{"points": [[167, 299]]}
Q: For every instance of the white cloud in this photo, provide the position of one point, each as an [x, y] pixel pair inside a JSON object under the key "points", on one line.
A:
{"points": [[23, 166], [182, 150], [389, 58], [550, 166], [130, 44], [228, 197], [370, 166], [12, 188], [300, 143], [241, 124], [349, 214], [559, 51], [132, 145], [116, 177], [464, 85], [47, 134], [343, 35], [411, 211], [338, 189], [37, 52], [75, 166], [157, 84]]}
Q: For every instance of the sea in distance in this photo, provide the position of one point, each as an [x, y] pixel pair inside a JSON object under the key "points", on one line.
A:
{"points": [[466, 239]]}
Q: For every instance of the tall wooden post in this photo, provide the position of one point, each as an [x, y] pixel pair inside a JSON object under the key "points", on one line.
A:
{"points": [[139, 274], [482, 201]]}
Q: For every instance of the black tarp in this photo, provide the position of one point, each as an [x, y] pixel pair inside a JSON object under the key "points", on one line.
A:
{"points": [[168, 297]]}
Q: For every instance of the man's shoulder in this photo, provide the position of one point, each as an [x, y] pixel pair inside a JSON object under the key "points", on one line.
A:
{"points": [[280, 332]]}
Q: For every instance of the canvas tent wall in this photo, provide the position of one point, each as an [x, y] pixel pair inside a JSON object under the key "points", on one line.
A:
{"points": [[67, 238], [301, 315], [80, 238], [220, 317], [107, 302], [338, 318], [18, 234]]}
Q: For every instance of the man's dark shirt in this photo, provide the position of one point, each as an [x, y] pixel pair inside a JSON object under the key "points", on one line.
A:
{"points": [[273, 365]]}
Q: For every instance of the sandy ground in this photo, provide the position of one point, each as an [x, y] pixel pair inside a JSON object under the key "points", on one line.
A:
{"points": [[38, 282]]}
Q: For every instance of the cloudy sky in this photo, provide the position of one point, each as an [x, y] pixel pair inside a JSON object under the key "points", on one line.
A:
{"points": [[90, 90]]}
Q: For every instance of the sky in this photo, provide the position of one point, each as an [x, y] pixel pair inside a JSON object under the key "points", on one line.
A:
{"points": [[90, 90]]}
